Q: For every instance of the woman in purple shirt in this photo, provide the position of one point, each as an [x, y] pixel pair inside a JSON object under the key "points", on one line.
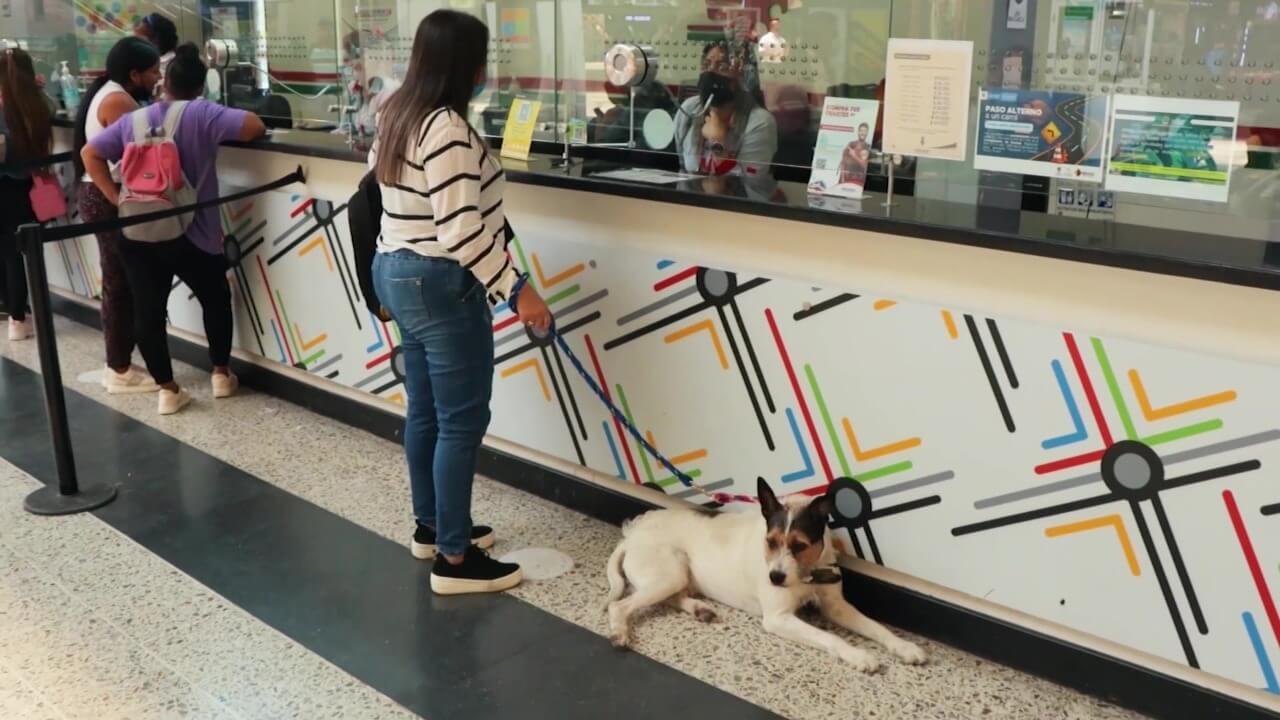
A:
{"points": [[195, 258]]}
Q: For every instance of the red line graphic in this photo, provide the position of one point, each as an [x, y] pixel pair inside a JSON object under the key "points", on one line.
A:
{"points": [[604, 385], [505, 323], [1088, 390], [271, 296], [795, 386], [1246, 546], [1074, 461], [387, 332], [378, 360], [678, 277], [302, 208]]}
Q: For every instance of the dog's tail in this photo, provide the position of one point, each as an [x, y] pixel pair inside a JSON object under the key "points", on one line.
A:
{"points": [[617, 581]]}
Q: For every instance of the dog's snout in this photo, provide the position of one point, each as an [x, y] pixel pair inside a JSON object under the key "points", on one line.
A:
{"points": [[777, 578]]}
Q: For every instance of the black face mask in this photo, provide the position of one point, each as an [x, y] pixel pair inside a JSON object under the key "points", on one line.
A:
{"points": [[715, 86]]}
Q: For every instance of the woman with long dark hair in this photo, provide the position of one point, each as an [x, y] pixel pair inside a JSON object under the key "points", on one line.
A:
{"points": [[196, 258], [133, 69], [26, 129], [441, 263]]}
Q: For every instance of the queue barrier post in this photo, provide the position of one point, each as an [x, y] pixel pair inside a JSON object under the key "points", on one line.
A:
{"points": [[68, 497]]}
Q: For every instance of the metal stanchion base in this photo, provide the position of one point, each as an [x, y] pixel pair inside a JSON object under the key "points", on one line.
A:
{"points": [[49, 501]]}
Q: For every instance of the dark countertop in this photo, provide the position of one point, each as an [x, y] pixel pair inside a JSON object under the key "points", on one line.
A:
{"points": [[1211, 257]]}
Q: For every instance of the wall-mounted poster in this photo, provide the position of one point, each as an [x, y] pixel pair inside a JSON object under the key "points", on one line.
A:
{"points": [[1173, 147], [843, 152], [926, 104], [1036, 132]]}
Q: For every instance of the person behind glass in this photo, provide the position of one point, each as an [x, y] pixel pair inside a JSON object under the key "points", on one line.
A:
{"points": [[133, 68], [442, 262], [195, 258], [735, 134], [163, 34], [26, 135]]}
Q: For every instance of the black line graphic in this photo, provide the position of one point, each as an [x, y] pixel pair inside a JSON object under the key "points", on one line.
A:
{"points": [[564, 409], [573, 400], [340, 259], [331, 375], [1033, 514], [823, 306], [746, 381], [1003, 352], [678, 316], [386, 387], [751, 353], [1271, 509], [905, 507], [1180, 567], [871, 543], [1179, 627], [857, 546], [996, 390]]}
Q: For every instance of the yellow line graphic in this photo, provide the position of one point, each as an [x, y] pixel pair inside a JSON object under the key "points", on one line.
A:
{"points": [[1106, 521], [872, 453], [318, 242], [950, 322], [550, 282], [699, 327], [1168, 411], [536, 364]]}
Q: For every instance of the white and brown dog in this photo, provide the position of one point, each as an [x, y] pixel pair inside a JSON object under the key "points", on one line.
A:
{"points": [[759, 565]]}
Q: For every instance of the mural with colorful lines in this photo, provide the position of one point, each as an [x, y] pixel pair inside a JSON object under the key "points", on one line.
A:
{"points": [[1118, 488]]}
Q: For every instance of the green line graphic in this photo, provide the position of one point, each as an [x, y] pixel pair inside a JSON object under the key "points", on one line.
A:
{"points": [[307, 361], [626, 410], [884, 472], [241, 228], [673, 480], [520, 254], [1129, 430], [826, 419], [1183, 433], [288, 332], [565, 293]]}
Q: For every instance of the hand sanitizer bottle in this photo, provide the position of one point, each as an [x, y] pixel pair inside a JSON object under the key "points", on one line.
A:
{"points": [[70, 89]]}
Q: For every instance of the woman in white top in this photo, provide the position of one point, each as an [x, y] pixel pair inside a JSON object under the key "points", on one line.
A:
{"points": [[133, 68], [161, 32], [441, 263]]}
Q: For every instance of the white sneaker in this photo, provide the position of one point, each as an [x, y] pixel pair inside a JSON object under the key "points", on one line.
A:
{"points": [[171, 402], [19, 329], [132, 380], [224, 386]]}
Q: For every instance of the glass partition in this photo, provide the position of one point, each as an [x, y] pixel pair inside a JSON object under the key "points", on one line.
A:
{"points": [[748, 79]]}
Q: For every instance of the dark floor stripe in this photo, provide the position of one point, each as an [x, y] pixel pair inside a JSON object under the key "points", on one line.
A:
{"points": [[349, 595]]}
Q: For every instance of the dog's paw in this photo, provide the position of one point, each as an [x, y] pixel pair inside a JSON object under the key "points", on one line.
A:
{"points": [[909, 653], [705, 613], [620, 639], [861, 660]]}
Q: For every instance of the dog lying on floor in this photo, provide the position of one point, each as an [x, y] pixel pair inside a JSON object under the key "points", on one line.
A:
{"points": [[764, 567]]}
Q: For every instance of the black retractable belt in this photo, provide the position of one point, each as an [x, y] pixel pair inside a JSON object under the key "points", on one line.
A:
{"points": [[69, 496], [46, 161]]}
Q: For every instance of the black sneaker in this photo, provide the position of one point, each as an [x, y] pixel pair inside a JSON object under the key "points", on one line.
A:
{"points": [[477, 573], [424, 540]]}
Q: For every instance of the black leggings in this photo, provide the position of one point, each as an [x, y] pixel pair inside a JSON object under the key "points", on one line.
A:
{"points": [[15, 211], [151, 268]]}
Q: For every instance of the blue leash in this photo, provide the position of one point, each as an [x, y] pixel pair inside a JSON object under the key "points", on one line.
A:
{"points": [[722, 498]]}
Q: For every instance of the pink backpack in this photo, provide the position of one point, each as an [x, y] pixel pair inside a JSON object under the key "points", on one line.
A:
{"points": [[151, 178]]}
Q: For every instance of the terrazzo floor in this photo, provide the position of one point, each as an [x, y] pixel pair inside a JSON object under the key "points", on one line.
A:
{"points": [[74, 592]]}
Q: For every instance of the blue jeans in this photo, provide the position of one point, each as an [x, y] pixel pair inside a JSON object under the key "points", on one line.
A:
{"points": [[447, 348]]}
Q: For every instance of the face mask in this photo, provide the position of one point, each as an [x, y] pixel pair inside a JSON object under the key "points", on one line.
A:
{"points": [[477, 91]]}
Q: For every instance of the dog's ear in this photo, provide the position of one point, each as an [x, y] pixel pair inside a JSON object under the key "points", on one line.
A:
{"points": [[769, 504], [823, 506]]}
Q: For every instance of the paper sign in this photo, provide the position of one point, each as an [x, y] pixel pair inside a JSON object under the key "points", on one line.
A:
{"points": [[843, 151], [926, 111], [1017, 17], [577, 131], [1172, 147], [517, 136], [1035, 132]]}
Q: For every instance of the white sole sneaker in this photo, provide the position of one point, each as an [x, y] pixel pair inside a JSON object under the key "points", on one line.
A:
{"points": [[224, 386], [133, 381], [423, 551], [457, 586], [171, 402], [19, 330]]}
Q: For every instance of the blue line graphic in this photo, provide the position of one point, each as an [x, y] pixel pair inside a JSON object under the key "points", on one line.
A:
{"points": [[807, 472], [1268, 672], [613, 448], [1080, 433]]}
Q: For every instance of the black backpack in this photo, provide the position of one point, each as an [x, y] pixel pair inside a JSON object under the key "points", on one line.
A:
{"points": [[364, 214]]}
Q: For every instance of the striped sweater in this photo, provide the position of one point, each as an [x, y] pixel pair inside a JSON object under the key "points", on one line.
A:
{"points": [[448, 202]]}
